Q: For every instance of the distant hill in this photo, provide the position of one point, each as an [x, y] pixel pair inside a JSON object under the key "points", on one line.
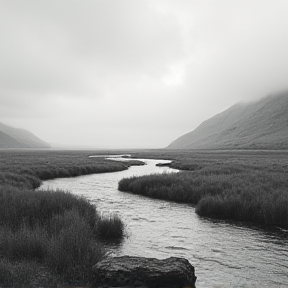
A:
{"points": [[11, 137], [258, 125]]}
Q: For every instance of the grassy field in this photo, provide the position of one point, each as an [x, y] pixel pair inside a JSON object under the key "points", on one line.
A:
{"points": [[26, 168], [239, 185], [51, 237]]}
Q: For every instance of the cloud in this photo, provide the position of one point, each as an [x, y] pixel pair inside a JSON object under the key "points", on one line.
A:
{"points": [[153, 67], [76, 47]]}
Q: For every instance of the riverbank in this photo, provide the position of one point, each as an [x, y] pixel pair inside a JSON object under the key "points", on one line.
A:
{"points": [[35, 272], [160, 229], [238, 185], [51, 237], [27, 168]]}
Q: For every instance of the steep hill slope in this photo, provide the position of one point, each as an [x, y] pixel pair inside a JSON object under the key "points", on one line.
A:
{"points": [[258, 125], [11, 137]]}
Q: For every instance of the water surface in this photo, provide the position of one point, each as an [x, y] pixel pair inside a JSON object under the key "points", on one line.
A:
{"points": [[224, 254]]}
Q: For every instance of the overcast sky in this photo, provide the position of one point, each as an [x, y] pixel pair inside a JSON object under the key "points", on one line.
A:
{"points": [[135, 73]]}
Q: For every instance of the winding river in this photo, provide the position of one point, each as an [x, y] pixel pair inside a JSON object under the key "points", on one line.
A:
{"points": [[224, 254]]}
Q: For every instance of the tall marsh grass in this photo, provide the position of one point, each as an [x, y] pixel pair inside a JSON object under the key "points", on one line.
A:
{"points": [[110, 228], [245, 186], [50, 237], [54, 228]]}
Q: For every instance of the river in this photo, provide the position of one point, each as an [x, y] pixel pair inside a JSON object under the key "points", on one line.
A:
{"points": [[224, 254]]}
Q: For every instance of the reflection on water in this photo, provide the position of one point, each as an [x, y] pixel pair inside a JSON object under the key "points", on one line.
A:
{"points": [[224, 254]]}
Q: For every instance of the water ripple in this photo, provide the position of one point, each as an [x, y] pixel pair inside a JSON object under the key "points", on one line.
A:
{"points": [[225, 254]]}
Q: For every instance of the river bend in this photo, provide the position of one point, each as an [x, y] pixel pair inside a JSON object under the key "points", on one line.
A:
{"points": [[224, 254]]}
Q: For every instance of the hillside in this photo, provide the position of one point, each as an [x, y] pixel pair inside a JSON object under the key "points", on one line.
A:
{"points": [[11, 137], [257, 125]]}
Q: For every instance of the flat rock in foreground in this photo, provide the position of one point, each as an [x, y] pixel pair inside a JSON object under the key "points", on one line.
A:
{"points": [[129, 271]]}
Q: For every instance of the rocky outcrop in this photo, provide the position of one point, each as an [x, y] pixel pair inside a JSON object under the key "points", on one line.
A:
{"points": [[129, 271]]}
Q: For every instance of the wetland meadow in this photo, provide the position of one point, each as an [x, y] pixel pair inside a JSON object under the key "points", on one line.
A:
{"points": [[53, 236]]}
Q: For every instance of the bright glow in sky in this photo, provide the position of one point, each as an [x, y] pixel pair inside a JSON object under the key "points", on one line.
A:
{"points": [[135, 73]]}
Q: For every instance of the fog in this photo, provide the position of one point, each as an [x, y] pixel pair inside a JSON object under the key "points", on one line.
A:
{"points": [[135, 74]]}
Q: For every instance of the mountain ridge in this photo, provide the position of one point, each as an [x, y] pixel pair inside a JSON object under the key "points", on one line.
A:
{"points": [[11, 137], [261, 124]]}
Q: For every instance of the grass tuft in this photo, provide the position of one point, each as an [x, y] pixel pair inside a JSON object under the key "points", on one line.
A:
{"points": [[110, 228]]}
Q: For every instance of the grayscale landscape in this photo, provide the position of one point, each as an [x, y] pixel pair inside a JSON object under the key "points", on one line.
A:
{"points": [[143, 144], [256, 125]]}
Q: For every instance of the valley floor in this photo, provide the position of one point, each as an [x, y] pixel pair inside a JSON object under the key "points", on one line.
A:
{"points": [[39, 229]]}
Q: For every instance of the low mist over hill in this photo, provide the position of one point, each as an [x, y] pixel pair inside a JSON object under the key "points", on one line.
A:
{"points": [[19, 138], [257, 125]]}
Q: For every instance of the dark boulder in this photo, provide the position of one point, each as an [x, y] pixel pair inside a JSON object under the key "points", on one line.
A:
{"points": [[163, 164], [129, 271]]}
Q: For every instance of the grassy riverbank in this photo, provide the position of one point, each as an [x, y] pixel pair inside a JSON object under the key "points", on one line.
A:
{"points": [[26, 168], [239, 185], [50, 237]]}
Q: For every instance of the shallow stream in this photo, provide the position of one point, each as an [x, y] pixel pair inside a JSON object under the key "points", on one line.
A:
{"points": [[224, 254]]}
